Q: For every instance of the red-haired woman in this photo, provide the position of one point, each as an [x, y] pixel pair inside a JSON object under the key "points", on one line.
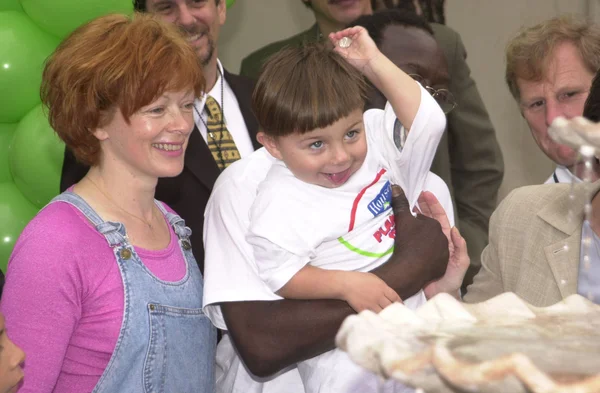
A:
{"points": [[102, 290]]}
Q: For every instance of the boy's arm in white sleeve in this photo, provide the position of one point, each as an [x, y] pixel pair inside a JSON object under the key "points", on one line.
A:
{"points": [[408, 156]]}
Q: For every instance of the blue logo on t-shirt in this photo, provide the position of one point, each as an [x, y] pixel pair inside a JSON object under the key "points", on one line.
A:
{"points": [[382, 201]]}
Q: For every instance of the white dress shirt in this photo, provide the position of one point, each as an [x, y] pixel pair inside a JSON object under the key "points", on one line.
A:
{"points": [[562, 175]]}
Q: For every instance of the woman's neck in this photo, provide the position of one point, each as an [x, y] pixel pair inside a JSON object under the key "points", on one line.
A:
{"points": [[130, 194]]}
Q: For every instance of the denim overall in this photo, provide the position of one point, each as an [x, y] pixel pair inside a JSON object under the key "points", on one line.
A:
{"points": [[166, 344]]}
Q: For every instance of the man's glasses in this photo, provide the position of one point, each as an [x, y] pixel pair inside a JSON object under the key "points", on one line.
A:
{"points": [[443, 97]]}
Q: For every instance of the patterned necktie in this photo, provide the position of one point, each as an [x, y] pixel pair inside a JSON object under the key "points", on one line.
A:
{"points": [[219, 139]]}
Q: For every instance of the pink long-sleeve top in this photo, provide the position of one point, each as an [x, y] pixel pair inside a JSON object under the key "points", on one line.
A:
{"points": [[63, 298]]}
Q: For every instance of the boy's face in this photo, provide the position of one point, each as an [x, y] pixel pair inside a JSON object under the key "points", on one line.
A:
{"points": [[326, 157]]}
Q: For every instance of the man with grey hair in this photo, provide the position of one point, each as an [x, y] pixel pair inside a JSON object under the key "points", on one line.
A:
{"points": [[542, 246], [549, 71]]}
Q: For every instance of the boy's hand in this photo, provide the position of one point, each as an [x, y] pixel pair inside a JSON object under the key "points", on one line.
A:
{"points": [[362, 49], [366, 291]]}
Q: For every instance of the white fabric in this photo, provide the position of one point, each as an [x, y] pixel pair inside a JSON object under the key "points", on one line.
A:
{"points": [[231, 274], [232, 376], [563, 175], [351, 227], [233, 116], [335, 372]]}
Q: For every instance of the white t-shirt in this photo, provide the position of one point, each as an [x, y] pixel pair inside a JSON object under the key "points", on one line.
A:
{"points": [[351, 227], [231, 274]]}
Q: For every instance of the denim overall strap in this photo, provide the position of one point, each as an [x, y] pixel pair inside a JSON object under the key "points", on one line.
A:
{"points": [[113, 232], [178, 224], [166, 344]]}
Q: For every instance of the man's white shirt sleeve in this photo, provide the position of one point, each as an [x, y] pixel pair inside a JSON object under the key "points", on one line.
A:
{"points": [[230, 270]]}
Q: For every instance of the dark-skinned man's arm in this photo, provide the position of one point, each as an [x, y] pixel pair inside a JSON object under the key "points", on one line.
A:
{"points": [[272, 335]]}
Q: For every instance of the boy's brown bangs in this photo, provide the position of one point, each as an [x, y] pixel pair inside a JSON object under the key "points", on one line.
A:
{"points": [[302, 89]]}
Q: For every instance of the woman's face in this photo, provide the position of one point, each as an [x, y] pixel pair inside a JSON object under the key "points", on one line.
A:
{"points": [[11, 358], [152, 144]]}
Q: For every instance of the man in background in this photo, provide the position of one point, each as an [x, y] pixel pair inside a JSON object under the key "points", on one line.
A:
{"points": [[542, 247], [468, 158], [226, 106], [549, 71]]}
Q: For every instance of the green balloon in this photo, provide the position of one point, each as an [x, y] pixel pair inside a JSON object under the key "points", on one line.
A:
{"points": [[6, 134], [15, 213], [10, 5], [60, 17], [35, 157], [230, 3], [23, 49]]}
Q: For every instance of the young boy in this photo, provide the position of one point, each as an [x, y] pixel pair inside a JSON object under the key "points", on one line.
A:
{"points": [[322, 217]]}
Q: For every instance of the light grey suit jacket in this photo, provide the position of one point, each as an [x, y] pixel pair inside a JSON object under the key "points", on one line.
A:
{"points": [[534, 248]]}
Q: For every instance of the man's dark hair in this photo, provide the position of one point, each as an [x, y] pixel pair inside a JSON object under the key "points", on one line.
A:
{"points": [[433, 11], [140, 5], [376, 23], [591, 109]]}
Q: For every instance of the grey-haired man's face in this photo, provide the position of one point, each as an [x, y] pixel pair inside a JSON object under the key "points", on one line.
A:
{"points": [[562, 91], [200, 20]]}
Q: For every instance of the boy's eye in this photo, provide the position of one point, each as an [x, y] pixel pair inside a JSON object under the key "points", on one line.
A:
{"points": [[189, 106], [316, 145], [351, 134]]}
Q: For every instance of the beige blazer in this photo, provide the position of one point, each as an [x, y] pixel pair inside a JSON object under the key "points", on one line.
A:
{"points": [[534, 247]]}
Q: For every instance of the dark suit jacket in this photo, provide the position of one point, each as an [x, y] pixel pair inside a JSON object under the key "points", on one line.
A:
{"points": [[187, 193], [468, 158]]}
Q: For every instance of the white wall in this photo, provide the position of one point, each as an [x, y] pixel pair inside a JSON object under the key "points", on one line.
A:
{"points": [[251, 24], [485, 27]]}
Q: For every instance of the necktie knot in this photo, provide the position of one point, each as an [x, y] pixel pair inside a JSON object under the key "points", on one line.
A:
{"points": [[213, 108], [219, 140]]}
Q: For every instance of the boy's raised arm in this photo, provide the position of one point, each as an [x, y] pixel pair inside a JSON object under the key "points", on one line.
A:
{"points": [[403, 93]]}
